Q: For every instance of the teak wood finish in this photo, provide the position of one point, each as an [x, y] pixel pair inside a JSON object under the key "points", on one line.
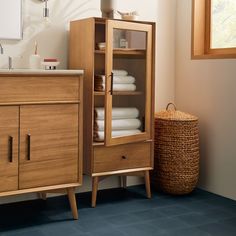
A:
{"points": [[9, 120], [123, 25], [123, 156], [41, 134], [53, 131]]}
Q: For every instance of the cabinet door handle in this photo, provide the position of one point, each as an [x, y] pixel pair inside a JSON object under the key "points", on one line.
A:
{"points": [[143, 125], [112, 75], [10, 153], [124, 157], [28, 146]]}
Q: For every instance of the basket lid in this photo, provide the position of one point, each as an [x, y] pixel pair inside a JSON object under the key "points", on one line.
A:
{"points": [[174, 115]]}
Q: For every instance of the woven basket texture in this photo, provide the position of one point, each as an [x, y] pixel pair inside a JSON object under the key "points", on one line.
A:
{"points": [[176, 164]]}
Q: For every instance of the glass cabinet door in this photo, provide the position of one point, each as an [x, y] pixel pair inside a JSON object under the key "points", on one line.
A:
{"points": [[128, 90]]}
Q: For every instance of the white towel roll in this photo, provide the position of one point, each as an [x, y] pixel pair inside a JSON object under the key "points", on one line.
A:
{"points": [[120, 87], [117, 113], [120, 72], [121, 124], [117, 79]]}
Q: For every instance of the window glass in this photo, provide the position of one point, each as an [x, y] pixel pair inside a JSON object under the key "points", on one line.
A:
{"points": [[223, 23]]}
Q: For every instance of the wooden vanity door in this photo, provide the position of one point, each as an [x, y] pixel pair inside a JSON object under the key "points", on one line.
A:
{"points": [[48, 145], [9, 125]]}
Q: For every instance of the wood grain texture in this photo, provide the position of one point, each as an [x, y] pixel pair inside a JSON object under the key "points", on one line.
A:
{"points": [[53, 147], [128, 156], [55, 123], [198, 27], [73, 204], [38, 89], [127, 172], [147, 81], [50, 188], [95, 181], [9, 124], [80, 131], [99, 159], [147, 184], [81, 55]]}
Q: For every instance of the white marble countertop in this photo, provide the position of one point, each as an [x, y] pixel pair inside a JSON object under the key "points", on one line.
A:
{"points": [[40, 72]]}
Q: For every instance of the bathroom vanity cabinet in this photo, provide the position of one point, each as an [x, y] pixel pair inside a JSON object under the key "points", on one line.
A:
{"points": [[41, 133], [111, 51]]}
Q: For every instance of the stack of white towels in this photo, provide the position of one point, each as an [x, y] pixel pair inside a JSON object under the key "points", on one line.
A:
{"points": [[124, 122], [121, 81]]}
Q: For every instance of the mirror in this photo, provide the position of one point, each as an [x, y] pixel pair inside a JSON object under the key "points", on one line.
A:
{"points": [[10, 19]]}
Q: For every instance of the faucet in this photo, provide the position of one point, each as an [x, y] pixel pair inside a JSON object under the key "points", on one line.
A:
{"points": [[10, 63], [1, 49], [9, 58]]}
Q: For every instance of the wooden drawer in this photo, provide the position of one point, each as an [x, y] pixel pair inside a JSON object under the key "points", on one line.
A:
{"points": [[38, 88], [122, 157]]}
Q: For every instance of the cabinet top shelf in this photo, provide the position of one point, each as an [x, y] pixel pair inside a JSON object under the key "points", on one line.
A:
{"points": [[100, 20], [125, 51]]}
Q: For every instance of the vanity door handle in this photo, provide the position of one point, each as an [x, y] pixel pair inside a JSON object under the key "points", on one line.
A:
{"points": [[10, 153], [124, 157], [112, 76], [28, 146]]}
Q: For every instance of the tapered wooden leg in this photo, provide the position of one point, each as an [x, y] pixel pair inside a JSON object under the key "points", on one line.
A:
{"points": [[147, 183], [94, 190], [42, 196], [123, 181], [72, 200]]}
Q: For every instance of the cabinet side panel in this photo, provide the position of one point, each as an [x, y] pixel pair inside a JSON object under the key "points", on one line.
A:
{"points": [[81, 56], [153, 89]]}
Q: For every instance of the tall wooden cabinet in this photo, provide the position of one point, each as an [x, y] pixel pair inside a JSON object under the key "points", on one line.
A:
{"points": [[118, 61], [41, 133]]}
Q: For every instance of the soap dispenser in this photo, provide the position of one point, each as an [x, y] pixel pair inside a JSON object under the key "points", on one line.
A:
{"points": [[34, 59]]}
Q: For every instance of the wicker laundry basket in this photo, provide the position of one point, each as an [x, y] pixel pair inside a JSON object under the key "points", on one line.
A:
{"points": [[176, 163]]}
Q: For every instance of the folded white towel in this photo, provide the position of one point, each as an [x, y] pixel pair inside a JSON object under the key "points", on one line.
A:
{"points": [[121, 124], [117, 113], [117, 79], [117, 87], [120, 72], [118, 133]]}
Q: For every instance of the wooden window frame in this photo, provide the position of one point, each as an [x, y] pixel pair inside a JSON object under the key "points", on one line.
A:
{"points": [[201, 33]]}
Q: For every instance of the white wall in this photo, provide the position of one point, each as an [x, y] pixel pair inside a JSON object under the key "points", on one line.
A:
{"points": [[52, 39], [53, 42], [165, 57], [206, 88]]}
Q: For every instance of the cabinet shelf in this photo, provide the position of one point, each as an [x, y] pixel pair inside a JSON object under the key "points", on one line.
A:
{"points": [[125, 52], [98, 143], [125, 93]]}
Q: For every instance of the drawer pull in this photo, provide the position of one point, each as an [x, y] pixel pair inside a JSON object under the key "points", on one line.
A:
{"points": [[10, 155], [124, 157], [28, 147]]}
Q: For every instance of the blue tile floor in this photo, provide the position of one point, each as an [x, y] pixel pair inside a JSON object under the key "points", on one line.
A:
{"points": [[122, 212]]}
